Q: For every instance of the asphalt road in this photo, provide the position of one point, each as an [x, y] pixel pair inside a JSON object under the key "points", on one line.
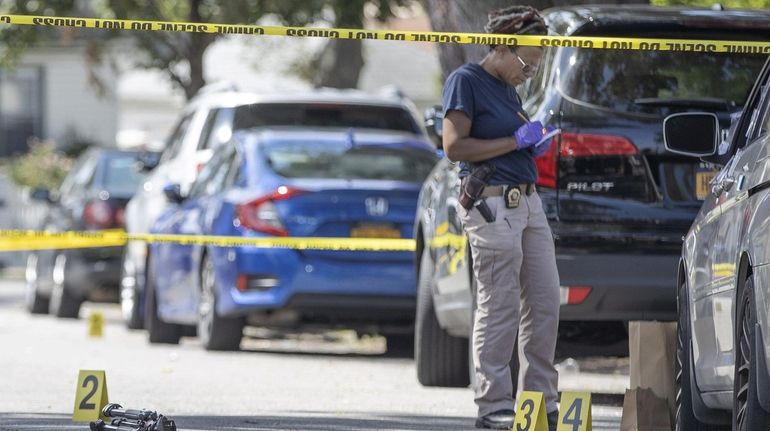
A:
{"points": [[302, 382]]}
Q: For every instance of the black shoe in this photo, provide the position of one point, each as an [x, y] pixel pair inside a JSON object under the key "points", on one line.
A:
{"points": [[499, 420], [553, 420]]}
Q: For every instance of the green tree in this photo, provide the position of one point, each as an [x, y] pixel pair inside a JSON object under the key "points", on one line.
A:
{"points": [[340, 62], [180, 55]]}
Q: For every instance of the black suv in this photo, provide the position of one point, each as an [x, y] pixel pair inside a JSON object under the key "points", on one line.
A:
{"points": [[618, 201]]}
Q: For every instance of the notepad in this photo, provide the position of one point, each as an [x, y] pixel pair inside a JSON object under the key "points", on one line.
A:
{"points": [[547, 136]]}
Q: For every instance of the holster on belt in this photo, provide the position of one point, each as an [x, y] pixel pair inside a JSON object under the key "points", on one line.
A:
{"points": [[471, 188], [472, 185]]}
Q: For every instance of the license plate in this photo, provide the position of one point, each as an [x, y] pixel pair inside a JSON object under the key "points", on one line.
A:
{"points": [[702, 183], [374, 231]]}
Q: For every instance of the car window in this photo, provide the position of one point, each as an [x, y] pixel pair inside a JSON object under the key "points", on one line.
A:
{"points": [[763, 113], [234, 173], [69, 180], [119, 175], [756, 119], [218, 128], [81, 175], [176, 140], [214, 175], [325, 115], [646, 81], [340, 160]]}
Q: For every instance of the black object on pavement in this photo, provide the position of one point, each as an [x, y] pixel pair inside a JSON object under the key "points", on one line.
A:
{"points": [[132, 420]]}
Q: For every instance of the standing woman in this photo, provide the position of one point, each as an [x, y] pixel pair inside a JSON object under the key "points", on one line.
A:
{"points": [[514, 262]]}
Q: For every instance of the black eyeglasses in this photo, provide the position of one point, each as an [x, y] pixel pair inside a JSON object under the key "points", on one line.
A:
{"points": [[526, 68]]}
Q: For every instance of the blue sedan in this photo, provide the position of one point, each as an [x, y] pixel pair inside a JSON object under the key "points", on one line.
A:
{"points": [[291, 182]]}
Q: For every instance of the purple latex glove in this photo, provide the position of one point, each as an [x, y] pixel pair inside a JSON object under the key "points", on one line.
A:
{"points": [[528, 134], [539, 150]]}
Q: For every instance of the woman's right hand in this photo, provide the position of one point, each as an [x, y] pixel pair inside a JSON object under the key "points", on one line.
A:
{"points": [[528, 134]]}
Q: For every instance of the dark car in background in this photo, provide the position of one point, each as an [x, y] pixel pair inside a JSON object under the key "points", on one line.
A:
{"points": [[93, 196], [618, 202], [291, 182]]}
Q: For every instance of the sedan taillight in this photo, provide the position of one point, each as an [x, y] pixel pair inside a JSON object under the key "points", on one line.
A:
{"points": [[262, 215], [98, 215]]}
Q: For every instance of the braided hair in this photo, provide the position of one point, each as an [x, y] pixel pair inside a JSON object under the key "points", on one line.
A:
{"points": [[516, 20]]}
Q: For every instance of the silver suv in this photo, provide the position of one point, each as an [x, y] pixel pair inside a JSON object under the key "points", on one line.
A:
{"points": [[209, 121], [724, 277]]}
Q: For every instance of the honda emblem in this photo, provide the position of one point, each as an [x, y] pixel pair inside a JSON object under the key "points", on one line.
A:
{"points": [[376, 206]]}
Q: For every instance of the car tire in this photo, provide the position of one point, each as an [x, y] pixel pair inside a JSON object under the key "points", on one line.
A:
{"points": [[214, 331], [36, 303], [159, 332], [130, 300], [442, 360], [684, 417], [748, 414], [63, 302]]}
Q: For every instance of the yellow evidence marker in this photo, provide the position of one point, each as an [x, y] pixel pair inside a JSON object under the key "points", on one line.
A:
{"points": [[530, 413], [95, 324], [575, 411], [90, 396]]}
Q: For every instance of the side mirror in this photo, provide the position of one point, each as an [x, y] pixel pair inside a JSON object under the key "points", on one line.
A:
{"points": [[41, 195], [173, 193], [693, 134], [148, 161], [434, 122]]}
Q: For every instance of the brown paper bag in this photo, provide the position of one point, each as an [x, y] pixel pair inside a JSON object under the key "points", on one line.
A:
{"points": [[652, 347], [644, 411]]}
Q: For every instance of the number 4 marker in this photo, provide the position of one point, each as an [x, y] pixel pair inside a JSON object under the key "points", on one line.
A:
{"points": [[575, 411]]}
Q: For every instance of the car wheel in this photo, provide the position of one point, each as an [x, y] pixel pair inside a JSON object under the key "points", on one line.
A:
{"points": [[442, 360], [684, 418], [157, 330], [215, 332], [748, 414], [35, 301], [63, 302], [129, 299]]}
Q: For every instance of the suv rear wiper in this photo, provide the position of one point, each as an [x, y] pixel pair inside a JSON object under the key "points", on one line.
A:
{"points": [[694, 102]]}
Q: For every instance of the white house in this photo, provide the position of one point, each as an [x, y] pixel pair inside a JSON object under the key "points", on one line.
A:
{"points": [[48, 95]]}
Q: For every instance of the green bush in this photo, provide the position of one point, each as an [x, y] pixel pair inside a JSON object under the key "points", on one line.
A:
{"points": [[43, 166]]}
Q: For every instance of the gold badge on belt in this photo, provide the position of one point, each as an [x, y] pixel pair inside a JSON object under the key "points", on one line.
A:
{"points": [[512, 196]]}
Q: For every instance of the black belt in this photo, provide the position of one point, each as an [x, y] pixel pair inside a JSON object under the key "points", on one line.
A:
{"points": [[490, 191]]}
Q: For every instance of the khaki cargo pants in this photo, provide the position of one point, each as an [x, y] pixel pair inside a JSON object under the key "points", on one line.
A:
{"points": [[517, 292]]}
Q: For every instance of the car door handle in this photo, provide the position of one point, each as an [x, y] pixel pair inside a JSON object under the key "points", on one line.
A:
{"points": [[725, 184]]}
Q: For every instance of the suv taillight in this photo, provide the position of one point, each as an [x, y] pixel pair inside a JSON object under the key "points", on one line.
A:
{"points": [[580, 145], [98, 215], [261, 214]]}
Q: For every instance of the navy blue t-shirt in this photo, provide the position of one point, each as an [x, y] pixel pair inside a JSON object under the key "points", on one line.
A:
{"points": [[492, 106]]}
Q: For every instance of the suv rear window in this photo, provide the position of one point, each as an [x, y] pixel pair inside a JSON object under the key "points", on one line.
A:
{"points": [[324, 115], [646, 81], [340, 160]]}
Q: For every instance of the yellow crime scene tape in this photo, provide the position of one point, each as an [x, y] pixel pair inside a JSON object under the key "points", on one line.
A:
{"points": [[23, 240], [646, 44], [18, 240]]}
